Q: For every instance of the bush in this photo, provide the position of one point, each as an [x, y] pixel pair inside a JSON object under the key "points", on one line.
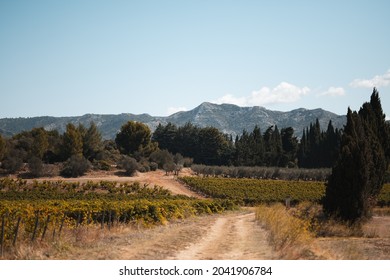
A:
{"points": [[144, 165], [187, 162], [153, 166], [161, 157], [130, 165], [75, 166], [102, 165], [13, 161], [35, 165], [169, 167]]}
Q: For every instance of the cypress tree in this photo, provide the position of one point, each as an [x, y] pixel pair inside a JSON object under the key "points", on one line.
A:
{"points": [[358, 174]]}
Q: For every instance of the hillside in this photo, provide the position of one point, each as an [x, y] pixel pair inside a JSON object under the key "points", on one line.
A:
{"points": [[228, 118]]}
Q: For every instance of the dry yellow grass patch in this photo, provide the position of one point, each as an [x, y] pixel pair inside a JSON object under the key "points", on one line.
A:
{"points": [[289, 235]]}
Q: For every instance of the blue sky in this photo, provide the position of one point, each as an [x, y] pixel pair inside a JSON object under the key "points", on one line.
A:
{"points": [[68, 58]]}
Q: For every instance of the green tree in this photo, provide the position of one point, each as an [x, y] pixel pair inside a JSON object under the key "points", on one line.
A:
{"points": [[273, 146], [2, 147], [134, 139], [92, 142], [358, 174], [242, 149], [249, 148], [166, 136], [317, 148], [54, 151], [40, 142], [289, 145], [212, 146], [72, 142]]}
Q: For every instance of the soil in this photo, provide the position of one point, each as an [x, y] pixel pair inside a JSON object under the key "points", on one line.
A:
{"points": [[234, 235], [153, 178]]}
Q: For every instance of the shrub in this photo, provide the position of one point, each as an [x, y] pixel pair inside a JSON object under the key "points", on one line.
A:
{"points": [[130, 165], [161, 157], [13, 161], [35, 165], [169, 167], [153, 166], [75, 166], [102, 165]]}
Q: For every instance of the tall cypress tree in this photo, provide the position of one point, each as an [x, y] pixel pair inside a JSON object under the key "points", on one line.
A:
{"points": [[358, 174]]}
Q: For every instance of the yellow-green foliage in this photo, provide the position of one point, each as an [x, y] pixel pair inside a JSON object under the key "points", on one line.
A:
{"points": [[384, 196], [257, 191], [285, 230], [52, 205]]}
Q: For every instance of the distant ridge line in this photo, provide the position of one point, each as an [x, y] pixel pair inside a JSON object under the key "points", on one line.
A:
{"points": [[228, 118]]}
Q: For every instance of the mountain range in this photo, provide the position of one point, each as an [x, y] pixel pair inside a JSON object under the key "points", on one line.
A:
{"points": [[228, 118]]}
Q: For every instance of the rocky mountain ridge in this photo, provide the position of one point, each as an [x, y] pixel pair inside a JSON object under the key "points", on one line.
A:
{"points": [[228, 118]]}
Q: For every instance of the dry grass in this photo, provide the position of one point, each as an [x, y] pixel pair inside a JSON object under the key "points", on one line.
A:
{"points": [[382, 211], [70, 241], [303, 232], [289, 235]]}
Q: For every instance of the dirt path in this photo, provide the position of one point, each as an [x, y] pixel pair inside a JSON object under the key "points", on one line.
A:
{"points": [[234, 235], [151, 178]]}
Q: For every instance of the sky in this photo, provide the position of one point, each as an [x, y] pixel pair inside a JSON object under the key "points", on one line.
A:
{"points": [[70, 58]]}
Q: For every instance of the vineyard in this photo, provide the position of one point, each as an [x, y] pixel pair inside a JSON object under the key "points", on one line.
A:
{"points": [[42, 209], [257, 191]]}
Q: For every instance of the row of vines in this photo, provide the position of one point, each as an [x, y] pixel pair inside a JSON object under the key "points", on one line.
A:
{"points": [[257, 191], [37, 211]]}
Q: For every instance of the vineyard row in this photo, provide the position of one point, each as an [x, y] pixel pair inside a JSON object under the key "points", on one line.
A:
{"points": [[257, 191], [28, 220]]}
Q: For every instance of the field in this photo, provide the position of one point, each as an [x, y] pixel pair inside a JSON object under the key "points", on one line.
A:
{"points": [[159, 216], [45, 209], [258, 191]]}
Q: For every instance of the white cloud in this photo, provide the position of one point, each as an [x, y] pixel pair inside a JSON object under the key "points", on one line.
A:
{"points": [[377, 81], [282, 93], [172, 110], [230, 99], [333, 91]]}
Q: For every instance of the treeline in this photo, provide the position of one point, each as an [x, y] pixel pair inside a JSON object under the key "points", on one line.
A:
{"points": [[274, 147], [135, 148], [48, 153], [76, 148]]}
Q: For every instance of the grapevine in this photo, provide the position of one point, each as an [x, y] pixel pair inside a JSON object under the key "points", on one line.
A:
{"points": [[257, 191]]}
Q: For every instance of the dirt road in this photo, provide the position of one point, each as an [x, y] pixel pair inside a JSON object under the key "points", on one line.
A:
{"points": [[234, 235], [152, 178]]}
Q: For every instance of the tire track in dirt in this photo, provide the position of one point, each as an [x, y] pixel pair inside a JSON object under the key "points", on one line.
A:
{"points": [[229, 236], [234, 236]]}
